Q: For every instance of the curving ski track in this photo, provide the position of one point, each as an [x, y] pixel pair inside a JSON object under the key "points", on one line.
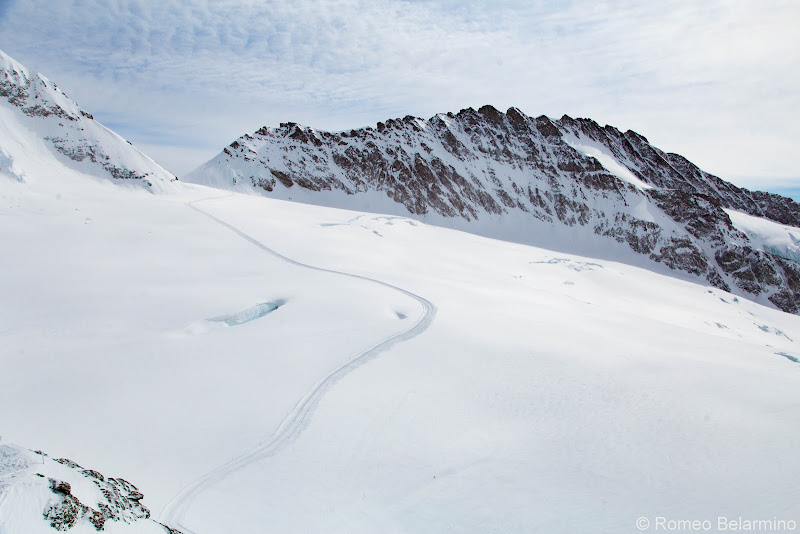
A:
{"points": [[300, 416]]}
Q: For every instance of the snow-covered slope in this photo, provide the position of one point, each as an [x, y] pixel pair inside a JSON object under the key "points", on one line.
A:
{"points": [[29, 101], [569, 185], [550, 391], [775, 238]]}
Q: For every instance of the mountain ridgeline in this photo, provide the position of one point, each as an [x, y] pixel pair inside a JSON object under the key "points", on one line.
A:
{"points": [[526, 179], [30, 101]]}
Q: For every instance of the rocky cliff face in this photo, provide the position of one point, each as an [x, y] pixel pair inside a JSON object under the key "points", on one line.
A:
{"points": [[474, 169], [38, 104]]}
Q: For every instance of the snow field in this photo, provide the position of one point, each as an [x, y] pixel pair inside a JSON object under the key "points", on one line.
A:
{"points": [[552, 392], [107, 344]]}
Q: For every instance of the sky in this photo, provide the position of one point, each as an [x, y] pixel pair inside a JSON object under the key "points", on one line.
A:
{"points": [[717, 81]]}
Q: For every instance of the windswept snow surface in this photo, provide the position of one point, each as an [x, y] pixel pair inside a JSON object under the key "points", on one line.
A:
{"points": [[552, 392]]}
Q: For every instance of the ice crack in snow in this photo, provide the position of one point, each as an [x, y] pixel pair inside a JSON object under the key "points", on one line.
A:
{"points": [[250, 314]]}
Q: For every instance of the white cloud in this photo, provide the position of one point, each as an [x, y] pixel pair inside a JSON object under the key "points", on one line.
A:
{"points": [[717, 81]]}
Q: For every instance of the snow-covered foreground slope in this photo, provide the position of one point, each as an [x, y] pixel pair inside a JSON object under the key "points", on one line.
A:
{"points": [[553, 393], [550, 393], [107, 342]]}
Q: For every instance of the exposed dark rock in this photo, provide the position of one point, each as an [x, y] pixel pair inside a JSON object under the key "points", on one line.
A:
{"points": [[94, 474], [492, 114], [282, 178], [122, 502], [65, 513], [59, 486], [546, 127], [85, 149], [68, 463]]}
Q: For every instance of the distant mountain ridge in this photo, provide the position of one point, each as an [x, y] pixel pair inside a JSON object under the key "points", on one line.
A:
{"points": [[522, 178], [80, 141]]}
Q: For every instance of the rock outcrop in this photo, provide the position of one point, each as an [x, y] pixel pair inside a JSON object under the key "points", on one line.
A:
{"points": [[100, 502]]}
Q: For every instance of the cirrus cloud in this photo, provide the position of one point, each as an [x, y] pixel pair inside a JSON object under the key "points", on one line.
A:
{"points": [[185, 77]]}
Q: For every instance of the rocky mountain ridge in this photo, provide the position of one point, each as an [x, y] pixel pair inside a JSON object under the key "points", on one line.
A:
{"points": [[479, 170], [74, 135]]}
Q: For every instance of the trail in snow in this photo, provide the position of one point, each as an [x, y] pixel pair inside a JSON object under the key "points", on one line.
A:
{"points": [[300, 416]]}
